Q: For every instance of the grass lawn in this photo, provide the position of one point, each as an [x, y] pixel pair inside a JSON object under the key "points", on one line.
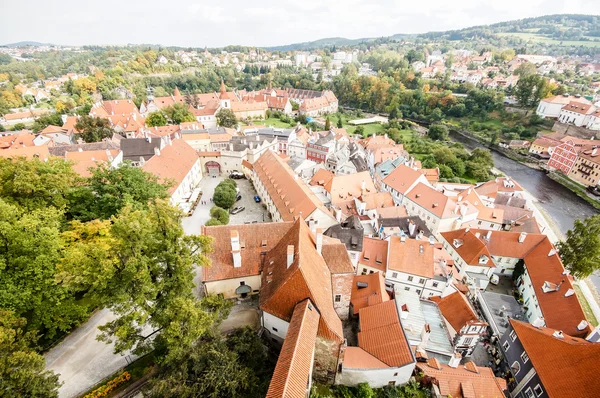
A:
{"points": [[589, 314], [370, 129], [272, 121]]}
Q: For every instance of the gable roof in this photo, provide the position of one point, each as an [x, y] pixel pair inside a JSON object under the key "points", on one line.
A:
{"points": [[322, 177], [382, 336], [174, 162], [456, 309], [291, 196], [30, 152], [349, 186], [433, 201], [336, 256], [563, 313], [307, 277], [567, 367], [86, 159], [411, 256], [293, 370], [375, 253], [357, 358], [464, 381], [402, 178], [253, 236]]}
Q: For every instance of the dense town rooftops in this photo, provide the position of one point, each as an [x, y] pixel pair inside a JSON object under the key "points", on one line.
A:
{"points": [[374, 254], [433, 201], [368, 290], [402, 178], [456, 309], [415, 257]]}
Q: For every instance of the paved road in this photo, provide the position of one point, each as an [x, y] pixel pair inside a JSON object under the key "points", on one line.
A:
{"points": [[81, 360], [191, 225]]}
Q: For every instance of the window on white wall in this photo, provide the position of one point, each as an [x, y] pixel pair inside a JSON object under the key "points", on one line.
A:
{"points": [[338, 298], [538, 390]]}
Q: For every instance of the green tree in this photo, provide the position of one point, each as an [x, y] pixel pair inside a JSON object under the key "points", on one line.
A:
{"points": [[54, 119], [446, 171], [531, 89], [580, 251], [236, 367], [145, 278], [327, 124], [339, 123], [360, 130], [94, 129], [34, 184], [31, 248], [156, 119], [525, 69], [438, 132], [226, 118], [178, 113], [22, 371], [108, 190], [19, 127], [219, 214], [225, 194]]}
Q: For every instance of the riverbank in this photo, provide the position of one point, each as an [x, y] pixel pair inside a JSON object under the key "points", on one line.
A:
{"points": [[574, 187]]}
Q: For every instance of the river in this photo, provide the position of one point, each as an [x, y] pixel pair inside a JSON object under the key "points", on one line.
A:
{"points": [[562, 205]]}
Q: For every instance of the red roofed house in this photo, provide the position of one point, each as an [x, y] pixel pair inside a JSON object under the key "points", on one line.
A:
{"points": [[438, 211], [179, 164], [461, 321], [550, 363], [563, 157], [285, 195], [576, 113], [401, 180], [586, 170]]}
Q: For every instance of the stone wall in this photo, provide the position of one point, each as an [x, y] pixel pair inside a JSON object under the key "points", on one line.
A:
{"points": [[342, 285], [326, 360]]}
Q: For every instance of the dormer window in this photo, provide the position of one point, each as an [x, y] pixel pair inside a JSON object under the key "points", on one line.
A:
{"points": [[263, 243], [457, 243], [483, 259]]}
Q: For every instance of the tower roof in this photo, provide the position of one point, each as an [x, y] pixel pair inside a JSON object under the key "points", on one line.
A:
{"points": [[223, 89]]}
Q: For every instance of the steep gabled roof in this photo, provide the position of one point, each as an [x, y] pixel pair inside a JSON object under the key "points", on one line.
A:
{"points": [[307, 277], [411, 256], [456, 309], [292, 372], [402, 178], [567, 367], [174, 163], [432, 200], [368, 290]]}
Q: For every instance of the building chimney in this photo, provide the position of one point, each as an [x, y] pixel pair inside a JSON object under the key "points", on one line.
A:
{"points": [[455, 360], [290, 255], [488, 236], [421, 249], [156, 151], [411, 228], [319, 240], [235, 249], [363, 185], [522, 237]]}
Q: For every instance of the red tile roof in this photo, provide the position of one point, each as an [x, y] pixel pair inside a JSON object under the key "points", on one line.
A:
{"points": [[256, 239], [456, 309], [85, 160], [291, 196], [373, 293], [322, 177], [374, 254], [349, 186], [293, 370], [468, 381], [415, 257], [433, 201], [567, 367], [402, 178], [308, 276], [173, 164], [560, 312], [357, 358], [382, 336]]}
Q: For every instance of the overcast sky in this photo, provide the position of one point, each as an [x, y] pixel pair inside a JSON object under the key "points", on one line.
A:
{"points": [[199, 23]]}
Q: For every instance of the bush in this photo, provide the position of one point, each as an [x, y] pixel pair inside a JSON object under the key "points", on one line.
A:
{"points": [[220, 214], [104, 390], [212, 222]]}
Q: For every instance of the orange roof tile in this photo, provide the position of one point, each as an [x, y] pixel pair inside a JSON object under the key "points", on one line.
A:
{"points": [[293, 370], [374, 291], [567, 367], [174, 162], [402, 178], [432, 175], [336, 256], [377, 200], [256, 239], [560, 312], [308, 276], [415, 257], [384, 153], [463, 382], [392, 212], [30, 152], [292, 197], [349, 186], [376, 142], [382, 336], [432, 200], [374, 254], [456, 309], [322, 177], [357, 358], [85, 160]]}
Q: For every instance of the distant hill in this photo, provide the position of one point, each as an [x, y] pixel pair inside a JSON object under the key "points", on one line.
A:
{"points": [[27, 43], [561, 29]]}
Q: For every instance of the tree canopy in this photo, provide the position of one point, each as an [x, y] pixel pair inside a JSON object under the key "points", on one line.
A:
{"points": [[580, 251], [156, 119], [226, 118], [225, 194], [178, 113], [94, 129]]}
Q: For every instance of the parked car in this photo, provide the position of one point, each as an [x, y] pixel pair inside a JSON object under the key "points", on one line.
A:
{"points": [[238, 197], [236, 175], [237, 210], [257, 199], [494, 279]]}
